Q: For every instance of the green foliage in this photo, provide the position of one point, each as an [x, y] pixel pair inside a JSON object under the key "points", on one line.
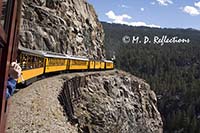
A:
{"points": [[172, 70]]}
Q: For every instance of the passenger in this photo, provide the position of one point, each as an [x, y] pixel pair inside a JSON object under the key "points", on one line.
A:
{"points": [[14, 74], [24, 64]]}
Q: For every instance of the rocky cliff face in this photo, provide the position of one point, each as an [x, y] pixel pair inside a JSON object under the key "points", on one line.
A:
{"points": [[114, 102], [65, 26]]}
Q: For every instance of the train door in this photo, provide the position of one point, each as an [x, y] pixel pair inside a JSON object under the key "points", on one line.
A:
{"points": [[9, 23]]}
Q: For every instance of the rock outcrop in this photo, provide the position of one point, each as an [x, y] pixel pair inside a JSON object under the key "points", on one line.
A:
{"points": [[114, 102], [64, 26]]}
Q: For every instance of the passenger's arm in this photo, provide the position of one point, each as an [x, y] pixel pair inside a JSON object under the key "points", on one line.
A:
{"points": [[14, 73], [11, 85]]}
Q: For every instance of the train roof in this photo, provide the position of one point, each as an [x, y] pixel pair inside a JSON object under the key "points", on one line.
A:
{"points": [[77, 58], [50, 54], [108, 61], [104, 60], [55, 56], [30, 51]]}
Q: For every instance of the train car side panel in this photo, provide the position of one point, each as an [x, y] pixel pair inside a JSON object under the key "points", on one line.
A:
{"points": [[32, 65], [102, 65], [92, 65], [97, 65], [54, 68], [109, 65], [28, 74], [55, 64], [78, 64]]}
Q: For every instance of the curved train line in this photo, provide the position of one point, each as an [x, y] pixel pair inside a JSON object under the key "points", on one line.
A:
{"points": [[36, 63]]}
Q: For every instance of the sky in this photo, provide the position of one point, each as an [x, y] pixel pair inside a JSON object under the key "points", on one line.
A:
{"points": [[151, 13]]}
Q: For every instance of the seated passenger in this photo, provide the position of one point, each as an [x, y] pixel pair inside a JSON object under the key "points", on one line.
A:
{"points": [[24, 64], [14, 74]]}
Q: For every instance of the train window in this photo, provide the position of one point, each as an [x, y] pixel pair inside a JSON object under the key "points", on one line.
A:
{"points": [[34, 61], [27, 62], [24, 61], [41, 62], [50, 62], [30, 62], [37, 62], [61, 62], [53, 62], [56, 62], [19, 59]]}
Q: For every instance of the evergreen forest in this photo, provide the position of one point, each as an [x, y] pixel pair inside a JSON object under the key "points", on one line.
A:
{"points": [[172, 70]]}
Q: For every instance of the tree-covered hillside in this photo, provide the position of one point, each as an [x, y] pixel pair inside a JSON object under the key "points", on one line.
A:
{"points": [[172, 70]]}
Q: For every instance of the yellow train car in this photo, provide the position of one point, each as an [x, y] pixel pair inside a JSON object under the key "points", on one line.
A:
{"points": [[91, 65], [97, 65], [102, 65], [35, 63], [109, 64], [55, 62], [76, 63], [31, 62]]}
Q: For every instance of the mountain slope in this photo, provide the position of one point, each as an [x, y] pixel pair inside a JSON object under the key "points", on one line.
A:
{"points": [[172, 70]]}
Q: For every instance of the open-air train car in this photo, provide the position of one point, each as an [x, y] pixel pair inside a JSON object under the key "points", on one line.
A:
{"points": [[35, 63]]}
